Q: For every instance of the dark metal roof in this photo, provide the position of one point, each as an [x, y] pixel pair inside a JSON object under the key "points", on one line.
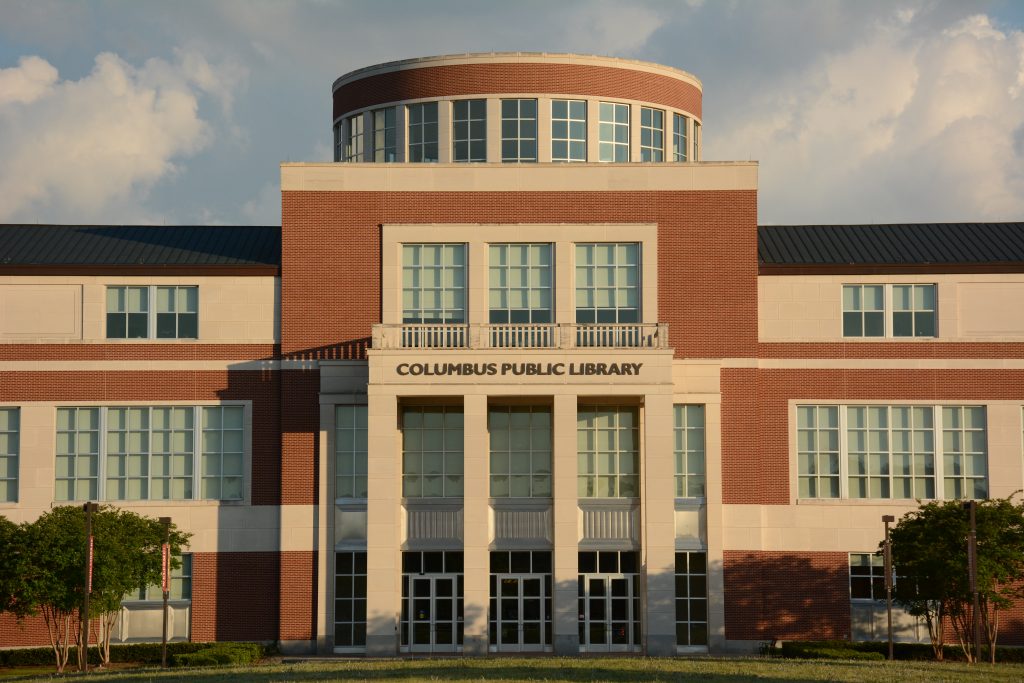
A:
{"points": [[895, 244], [140, 245]]}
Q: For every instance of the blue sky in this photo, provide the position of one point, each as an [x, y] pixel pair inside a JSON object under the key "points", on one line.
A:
{"points": [[180, 112]]}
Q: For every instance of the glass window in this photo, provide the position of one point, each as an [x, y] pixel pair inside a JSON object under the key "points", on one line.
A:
{"points": [[339, 140], [469, 130], [422, 132], [384, 145], [691, 598], [222, 453], [891, 451], [696, 141], [354, 138], [518, 130], [689, 451], [568, 130], [78, 453], [652, 134], [679, 137], [177, 312], [433, 283], [520, 451], [818, 451], [863, 311], [127, 312], [964, 452], [432, 443], [172, 460], [180, 588], [607, 283], [614, 129], [608, 451], [9, 445], [350, 451], [867, 576], [913, 310], [127, 453], [350, 599], [520, 283]]}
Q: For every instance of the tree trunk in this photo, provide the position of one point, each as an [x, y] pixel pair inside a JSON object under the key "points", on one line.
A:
{"points": [[58, 628], [107, 622]]}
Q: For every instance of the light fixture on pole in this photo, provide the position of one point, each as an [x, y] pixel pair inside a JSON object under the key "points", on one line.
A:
{"points": [[887, 519], [972, 573], [89, 509], [165, 582]]}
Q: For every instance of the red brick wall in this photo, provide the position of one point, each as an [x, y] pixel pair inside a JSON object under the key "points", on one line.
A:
{"points": [[151, 351], [891, 349], [755, 413], [300, 430], [473, 79], [788, 596], [262, 388], [707, 258]]}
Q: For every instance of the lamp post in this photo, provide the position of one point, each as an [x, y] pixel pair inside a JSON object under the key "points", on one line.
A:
{"points": [[972, 571], [887, 519], [165, 583], [89, 509]]}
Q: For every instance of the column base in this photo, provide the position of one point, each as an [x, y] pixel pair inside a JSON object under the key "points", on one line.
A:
{"points": [[567, 646]]}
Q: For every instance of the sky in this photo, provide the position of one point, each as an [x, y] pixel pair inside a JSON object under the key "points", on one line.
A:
{"points": [[858, 111]]}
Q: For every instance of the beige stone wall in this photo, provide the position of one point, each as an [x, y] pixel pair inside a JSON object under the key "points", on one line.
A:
{"points": [[971, 307], [53, 309]]}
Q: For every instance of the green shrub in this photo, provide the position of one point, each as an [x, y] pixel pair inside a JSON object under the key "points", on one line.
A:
{"points": [[143, 653], [901, 651], [222, 654], [826, 650]]}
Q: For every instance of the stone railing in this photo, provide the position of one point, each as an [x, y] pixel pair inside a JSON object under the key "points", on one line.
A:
{"points": [[522, 336]]}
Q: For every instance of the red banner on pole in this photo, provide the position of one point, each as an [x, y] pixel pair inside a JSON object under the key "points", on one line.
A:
{"points": [[165, 567], [88, 578]]}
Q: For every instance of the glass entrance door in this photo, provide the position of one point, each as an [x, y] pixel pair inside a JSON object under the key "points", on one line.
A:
{"points": [[520, 621], [609, 612], [434, 618]]}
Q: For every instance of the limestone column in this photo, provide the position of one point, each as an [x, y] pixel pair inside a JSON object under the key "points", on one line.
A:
{"points": [[476, 533], [658, 511], [384, 526], [565, 619]]}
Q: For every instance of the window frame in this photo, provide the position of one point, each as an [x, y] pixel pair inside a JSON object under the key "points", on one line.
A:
{"points": [[419, 146], [534, 451], [355, 138], [591, 283], [449, 490], [684, 454], [460, 291], [521, 137], [692, 578], [610, 147], [504, 271], [199, 454], [873, 577], [568, 139], [381, 133], [471, 122], [652, 134], [349, 435], [844, 453], [589, 472], [889, 311], [151, 312], [680, 152], [696, 140], [154, 593], [10, 455]]}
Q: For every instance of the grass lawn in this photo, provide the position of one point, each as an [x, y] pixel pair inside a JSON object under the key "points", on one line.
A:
{"points": [[572, 669]]}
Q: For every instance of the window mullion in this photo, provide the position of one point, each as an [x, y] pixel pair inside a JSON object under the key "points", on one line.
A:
{"points": [[844, 450], [939, 448], [101, 453], [197, 417]]}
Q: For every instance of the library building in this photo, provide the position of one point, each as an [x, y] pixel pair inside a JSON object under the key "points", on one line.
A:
{"points": [[519, 371]]}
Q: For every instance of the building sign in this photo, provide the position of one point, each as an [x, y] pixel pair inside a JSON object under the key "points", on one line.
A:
{"points": [[165, 567], [88, 574], [518, 369]]}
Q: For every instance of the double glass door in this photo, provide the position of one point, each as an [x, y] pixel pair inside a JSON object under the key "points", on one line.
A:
{"points": [[434, 614], [609, 612], [519, 606]]}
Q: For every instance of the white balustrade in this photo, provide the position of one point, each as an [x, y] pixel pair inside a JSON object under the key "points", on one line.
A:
{"points": [[521, 336]]}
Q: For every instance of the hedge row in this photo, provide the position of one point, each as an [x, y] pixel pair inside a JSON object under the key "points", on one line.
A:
{"points": [[143, 653], [221, 654], [845, 649]]}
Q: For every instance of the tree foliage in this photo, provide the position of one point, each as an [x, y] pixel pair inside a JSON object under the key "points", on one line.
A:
{"points": [[929, 556]]}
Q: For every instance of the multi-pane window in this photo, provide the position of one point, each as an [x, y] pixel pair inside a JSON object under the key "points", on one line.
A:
{"points": [[520, 287], [691, 599], [432, 452], [679, 149], [354, 138], [652, 134], [350, 599], [181, 584], [433, 283], [696, 141], [913, 310], [817, 439], [890, 451], [614, 132], [964, 452], [568, 130], [9, 446], [384, 144], [608, 452], [422, 132], [608, 283], [867, 576], [520, 451], [339, 141], [469, 130], [689, 451], [150, 452], [176, 315], [177, 312], [863, 311], [518, 130], [350, 452]]}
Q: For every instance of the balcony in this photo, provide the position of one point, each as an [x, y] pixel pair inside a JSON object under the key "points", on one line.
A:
{"points": [[528, 336]]}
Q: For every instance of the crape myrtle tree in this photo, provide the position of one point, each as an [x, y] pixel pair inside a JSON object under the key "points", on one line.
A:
{"points": [[126, 558], [929, 557], [11, 558]]}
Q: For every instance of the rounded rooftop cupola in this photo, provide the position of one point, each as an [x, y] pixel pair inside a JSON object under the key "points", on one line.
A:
{"points": [[517, 107]]}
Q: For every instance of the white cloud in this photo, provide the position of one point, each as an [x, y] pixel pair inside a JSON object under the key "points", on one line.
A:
{"points": [[905, 125], [73, 149]]}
